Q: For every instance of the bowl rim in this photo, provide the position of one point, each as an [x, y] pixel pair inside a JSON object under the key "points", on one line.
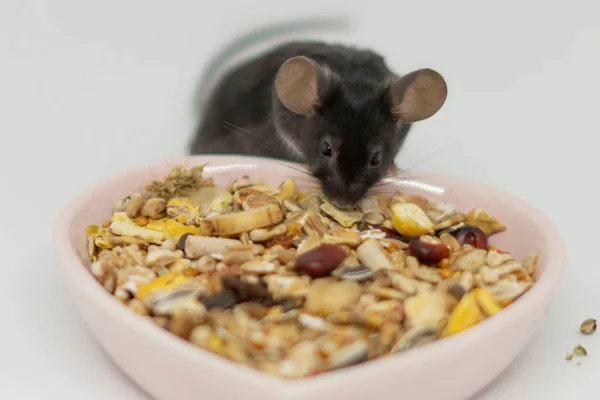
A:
{"points": [[74, 270]]}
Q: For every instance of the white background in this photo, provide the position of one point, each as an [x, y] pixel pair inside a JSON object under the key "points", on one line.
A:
{"points": [[88, 89]]}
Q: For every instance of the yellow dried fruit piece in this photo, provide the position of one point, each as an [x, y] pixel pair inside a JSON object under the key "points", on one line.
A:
{"points": [[120, 217], [163, 283], [122, 225], [157, 224], [487, 302], [410, 220], [103, 243], [92, 231], [465, 315], [485, 221], [286, 191], [176, 229], [130, 228]]}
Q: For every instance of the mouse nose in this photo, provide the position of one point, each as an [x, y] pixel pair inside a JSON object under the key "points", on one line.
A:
{"points": [[347, 195], [355, 187]]}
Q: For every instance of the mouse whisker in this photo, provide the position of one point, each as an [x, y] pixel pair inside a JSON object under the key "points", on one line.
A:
{"points": [[257, 139], [308, 180], [422, 159], [296, 169]]}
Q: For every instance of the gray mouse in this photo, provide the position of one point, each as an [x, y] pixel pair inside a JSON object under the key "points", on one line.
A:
{"points": [[339, 110]]}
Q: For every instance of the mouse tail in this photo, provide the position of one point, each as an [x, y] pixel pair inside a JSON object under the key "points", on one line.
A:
{"points": [[247, 42]]}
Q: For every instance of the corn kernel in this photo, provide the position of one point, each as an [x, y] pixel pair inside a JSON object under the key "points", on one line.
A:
{"points": [[487, 302], [521, 276], [446, 273], [465, 315], [141, 221], [505, 303], [410, 220], [375, 321], [444, 263], [189, 272], [163, 283]]}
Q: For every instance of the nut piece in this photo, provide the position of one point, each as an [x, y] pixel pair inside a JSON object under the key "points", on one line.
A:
{"points": [[471, 260], [588, 326], [326, 296], [135, 205], [494, 258], [154, 208], [426, 309], [262, 235], [258, 267], [371, 254], [161, 257], [198, 246], [258, 200]]}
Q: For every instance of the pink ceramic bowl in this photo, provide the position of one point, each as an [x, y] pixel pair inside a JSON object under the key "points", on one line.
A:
{"points": [[455, 368]]}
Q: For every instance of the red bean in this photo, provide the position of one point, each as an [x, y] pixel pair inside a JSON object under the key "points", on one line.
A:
{"points": [[473, 236], [320, 261], [428, 251]]}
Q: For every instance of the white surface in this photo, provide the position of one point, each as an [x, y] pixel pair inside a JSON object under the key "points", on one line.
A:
{"points": [[79, 81]]}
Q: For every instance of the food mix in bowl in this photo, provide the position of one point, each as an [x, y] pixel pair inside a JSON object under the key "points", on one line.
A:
{"points": [[287, 283]]}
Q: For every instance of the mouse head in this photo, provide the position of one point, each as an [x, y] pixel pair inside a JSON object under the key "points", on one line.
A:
{"points": [[349, 127]]}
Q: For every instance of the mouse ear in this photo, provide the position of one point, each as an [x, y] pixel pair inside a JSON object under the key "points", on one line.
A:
{"points": [[418, 95], [301, 84]]}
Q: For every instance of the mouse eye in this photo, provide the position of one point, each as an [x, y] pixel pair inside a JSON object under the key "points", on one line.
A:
{"points": [[375, 159], [326, 149]]}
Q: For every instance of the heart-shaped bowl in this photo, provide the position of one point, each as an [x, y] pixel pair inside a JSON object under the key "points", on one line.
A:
{"points": [[456, 367]]}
